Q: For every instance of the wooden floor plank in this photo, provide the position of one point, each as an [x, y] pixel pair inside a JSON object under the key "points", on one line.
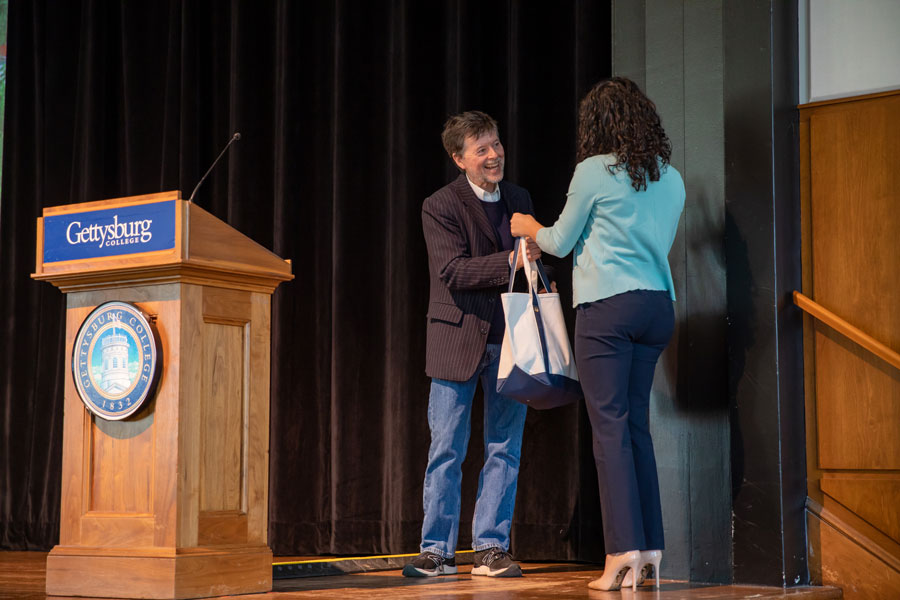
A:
{"points": [[22, 578]]}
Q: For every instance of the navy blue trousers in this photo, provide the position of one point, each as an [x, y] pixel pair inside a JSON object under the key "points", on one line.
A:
{"points": [[618, 341]]}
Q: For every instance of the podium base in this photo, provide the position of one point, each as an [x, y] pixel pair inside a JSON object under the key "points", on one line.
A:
{"points": [[158, 573]]}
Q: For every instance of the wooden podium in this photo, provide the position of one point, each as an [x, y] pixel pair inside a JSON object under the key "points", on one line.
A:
{"points": [[172, 501]]}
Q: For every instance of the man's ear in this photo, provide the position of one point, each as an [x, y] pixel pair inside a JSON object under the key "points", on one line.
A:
{"points": [[459, 163]]}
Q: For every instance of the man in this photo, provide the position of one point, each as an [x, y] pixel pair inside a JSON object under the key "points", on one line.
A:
{"points": [[466, 227]]}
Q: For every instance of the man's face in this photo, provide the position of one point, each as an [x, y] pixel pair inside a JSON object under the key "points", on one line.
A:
{"points": [[482, 160]]}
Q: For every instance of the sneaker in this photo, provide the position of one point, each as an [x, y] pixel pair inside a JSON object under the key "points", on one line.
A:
{"points": [[429, 564], [495, 562]]}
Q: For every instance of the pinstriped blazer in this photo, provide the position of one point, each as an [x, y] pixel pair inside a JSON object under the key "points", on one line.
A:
{"points": [[466, 266]]}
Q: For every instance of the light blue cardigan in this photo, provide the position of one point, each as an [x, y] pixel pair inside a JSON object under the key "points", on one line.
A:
{"points": [[621, 237]]}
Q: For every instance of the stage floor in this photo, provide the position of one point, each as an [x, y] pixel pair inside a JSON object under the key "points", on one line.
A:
{"points": [[22, 578]]}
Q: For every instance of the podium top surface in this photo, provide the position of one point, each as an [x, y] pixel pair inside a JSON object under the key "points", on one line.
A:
{"points": [[149, 240]]}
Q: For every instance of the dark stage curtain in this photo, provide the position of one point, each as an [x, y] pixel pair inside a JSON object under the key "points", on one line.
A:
{"points": [[340, 105]]}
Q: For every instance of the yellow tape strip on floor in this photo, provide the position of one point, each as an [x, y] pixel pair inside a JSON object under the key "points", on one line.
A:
{"points": [[339, 559]]}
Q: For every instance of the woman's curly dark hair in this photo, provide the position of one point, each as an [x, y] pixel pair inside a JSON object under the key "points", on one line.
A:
{"points": [[615, 117]]}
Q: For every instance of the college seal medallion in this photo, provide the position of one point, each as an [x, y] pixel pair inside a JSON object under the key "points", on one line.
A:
{"points": [[116, 360]]}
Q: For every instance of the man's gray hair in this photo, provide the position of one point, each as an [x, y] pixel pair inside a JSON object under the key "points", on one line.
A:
{"points": [[458, 127]]}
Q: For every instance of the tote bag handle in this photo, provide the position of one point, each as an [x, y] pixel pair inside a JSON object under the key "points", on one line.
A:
{"points": [[527, 267]]}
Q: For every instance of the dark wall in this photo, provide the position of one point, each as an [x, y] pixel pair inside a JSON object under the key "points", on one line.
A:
{"points": [[340, 105], [674, 51], [724, 77], [763, 256]]}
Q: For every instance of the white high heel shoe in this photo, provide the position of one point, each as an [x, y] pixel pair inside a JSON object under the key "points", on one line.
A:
{"points": [[616, 568], [650, 560]]}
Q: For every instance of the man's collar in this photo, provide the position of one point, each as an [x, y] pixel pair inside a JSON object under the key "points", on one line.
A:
{"points": [[482, 194]]}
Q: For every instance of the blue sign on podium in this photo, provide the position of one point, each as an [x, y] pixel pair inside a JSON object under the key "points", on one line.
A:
{"points": [[110, 232]]}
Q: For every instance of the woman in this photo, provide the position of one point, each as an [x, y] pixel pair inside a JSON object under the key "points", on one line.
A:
{"points": [[620, 217]]}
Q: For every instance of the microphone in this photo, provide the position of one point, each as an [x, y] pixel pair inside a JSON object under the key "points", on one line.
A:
{"points": [[233, 139]]}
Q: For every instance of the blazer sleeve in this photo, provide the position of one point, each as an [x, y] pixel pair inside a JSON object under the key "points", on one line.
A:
{"points": [[450, 254]]}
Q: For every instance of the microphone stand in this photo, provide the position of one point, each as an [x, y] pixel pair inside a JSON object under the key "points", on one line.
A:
{"points": [[233, 139]]}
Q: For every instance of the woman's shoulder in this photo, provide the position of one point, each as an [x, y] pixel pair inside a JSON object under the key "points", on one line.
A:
{"points": [[595, 167], [666, 169], [670, 175], [597, 161]]}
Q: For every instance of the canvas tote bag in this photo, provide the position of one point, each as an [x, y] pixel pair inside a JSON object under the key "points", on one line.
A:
{"points": [[537, 366]]}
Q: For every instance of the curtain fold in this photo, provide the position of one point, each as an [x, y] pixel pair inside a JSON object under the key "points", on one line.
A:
{"points": [[340, 105]]}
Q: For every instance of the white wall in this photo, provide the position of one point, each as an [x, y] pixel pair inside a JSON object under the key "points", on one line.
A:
{"points": [[848, 48]]}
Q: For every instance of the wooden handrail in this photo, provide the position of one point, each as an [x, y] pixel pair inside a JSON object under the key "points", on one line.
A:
{"points": [[821, 313]]}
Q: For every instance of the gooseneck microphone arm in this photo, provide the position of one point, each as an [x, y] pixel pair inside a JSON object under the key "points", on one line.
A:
{"points": [[233, 139]]}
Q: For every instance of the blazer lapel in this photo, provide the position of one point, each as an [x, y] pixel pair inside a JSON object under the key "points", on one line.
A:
{"points": [[507, 199], [474, 208]]}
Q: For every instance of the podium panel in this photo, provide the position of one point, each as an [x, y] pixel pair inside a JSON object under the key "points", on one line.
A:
{"points": [[170, 501]]}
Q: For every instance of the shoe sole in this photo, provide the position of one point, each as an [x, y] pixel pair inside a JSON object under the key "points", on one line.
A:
{"points": [[510, 571], [411, 571]]}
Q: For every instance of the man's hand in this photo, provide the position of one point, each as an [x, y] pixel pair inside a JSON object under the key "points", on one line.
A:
{"points": [[532, 250], [552, 288]]}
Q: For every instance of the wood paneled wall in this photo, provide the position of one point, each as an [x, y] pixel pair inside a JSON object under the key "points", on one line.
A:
{"points": [[850, 189]]}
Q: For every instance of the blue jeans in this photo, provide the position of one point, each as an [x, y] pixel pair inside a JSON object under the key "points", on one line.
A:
{"points": [[449, 413]]}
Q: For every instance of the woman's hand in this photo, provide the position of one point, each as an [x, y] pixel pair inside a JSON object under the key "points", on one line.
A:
{"points": [[522, 225]]}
